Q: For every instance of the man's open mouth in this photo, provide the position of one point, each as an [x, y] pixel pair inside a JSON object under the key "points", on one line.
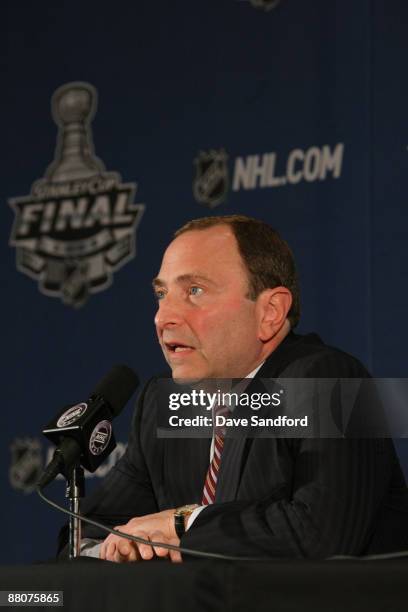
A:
{"points": [[177, 347]]}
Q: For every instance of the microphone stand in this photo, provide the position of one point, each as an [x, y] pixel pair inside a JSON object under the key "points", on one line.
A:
{"points": [[74, 491]]}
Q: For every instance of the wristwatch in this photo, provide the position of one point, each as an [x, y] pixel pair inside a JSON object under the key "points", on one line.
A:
{"points": [[180, 517]]}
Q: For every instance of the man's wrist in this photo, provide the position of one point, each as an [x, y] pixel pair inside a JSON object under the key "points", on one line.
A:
{"points": [[193, 516], [181, 516]]}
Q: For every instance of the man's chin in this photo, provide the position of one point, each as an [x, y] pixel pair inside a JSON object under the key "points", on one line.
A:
{"points": [[185, 376], [186, 380]]}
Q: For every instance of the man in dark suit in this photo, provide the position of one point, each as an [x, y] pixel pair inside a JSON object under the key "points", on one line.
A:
{"points": [[228, 300]]}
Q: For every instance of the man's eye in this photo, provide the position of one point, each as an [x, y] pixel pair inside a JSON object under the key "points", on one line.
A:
{"points": [[159, 294], [195, 290]]}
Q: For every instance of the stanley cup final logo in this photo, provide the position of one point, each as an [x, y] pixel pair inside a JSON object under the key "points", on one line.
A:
{"points": [[77, 227]]}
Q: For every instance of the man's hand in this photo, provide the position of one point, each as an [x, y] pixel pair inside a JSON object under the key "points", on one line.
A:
{"points": [[157, 527]]}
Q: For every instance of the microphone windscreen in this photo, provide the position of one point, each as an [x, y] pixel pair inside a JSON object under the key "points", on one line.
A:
{"points": [[117, 387]]}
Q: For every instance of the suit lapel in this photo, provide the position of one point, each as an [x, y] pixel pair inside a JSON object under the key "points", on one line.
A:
{"points": [[229, 474], [185, 464]]}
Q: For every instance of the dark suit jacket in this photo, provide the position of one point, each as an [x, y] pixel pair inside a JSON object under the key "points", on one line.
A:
{"points": [[276, 497]]}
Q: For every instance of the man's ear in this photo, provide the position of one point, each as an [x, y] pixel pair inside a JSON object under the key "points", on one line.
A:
{"points": [[274, 305]]}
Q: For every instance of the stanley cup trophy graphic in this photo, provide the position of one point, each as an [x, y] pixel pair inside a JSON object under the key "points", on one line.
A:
{"points": [[78, 225], [73, 108]]}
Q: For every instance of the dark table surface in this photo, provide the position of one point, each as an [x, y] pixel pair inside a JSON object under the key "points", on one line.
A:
{"points": [[329, 586]]}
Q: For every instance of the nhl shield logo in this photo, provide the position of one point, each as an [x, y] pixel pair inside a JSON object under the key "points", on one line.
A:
{"points": [[210, 186], [266, 5], [26, 464], [77, 227]]}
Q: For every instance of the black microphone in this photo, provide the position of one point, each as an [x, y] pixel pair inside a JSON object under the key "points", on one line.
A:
{"points": [[83, 432]]}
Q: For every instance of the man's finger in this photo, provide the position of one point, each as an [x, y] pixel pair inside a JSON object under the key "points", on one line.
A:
{"points": [[124, 547], [118, 550], [158, 536], [125, 552], [110, 550], [175, 555], [146, 551], [105, 544]]}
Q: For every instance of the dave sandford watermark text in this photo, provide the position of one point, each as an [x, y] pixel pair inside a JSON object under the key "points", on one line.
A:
{"points": [[223, 406]]}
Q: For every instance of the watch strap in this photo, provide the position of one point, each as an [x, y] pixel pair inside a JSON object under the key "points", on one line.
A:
{"points": [[180, 516]]}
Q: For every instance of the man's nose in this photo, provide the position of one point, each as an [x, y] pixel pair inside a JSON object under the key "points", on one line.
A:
{"points": [[169, 313]]}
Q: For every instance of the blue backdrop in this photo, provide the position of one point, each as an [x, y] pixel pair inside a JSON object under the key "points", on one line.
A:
{"points": [[294, 113]]}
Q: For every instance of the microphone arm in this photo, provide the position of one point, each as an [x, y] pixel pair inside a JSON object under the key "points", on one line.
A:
{"points": [[74, 491]]}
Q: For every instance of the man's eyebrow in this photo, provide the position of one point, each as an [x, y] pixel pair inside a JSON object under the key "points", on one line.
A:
{"points": [[157, 282], [183, 278]]}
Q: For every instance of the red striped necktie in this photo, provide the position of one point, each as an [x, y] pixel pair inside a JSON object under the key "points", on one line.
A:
{"points": [[211, 478]]}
